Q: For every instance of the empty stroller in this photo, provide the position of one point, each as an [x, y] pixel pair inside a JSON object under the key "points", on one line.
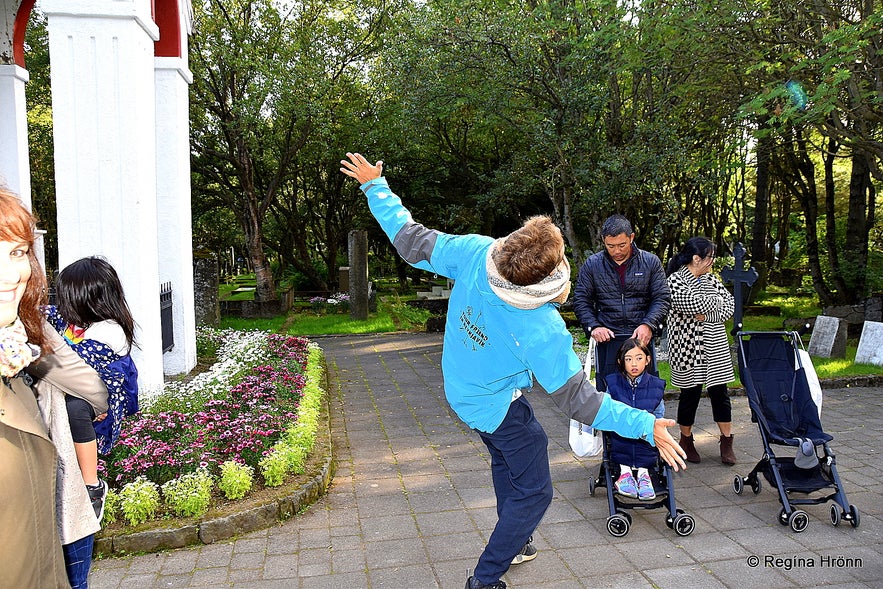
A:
{"points": [[778, 392]]}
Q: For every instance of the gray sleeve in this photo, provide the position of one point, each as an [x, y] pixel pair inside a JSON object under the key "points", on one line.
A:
{"points": [[578, 398], [415, 243]]}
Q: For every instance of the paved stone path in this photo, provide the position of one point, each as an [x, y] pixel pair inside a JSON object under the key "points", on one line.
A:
{"points": [[411, 505]]}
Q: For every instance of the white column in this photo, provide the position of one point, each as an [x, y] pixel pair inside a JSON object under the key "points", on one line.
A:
{"points": [[15, 169], [103, 101], [173, 205]]}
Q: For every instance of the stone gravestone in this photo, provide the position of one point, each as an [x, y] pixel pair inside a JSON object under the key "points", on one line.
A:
{"points": [[205, 288], [358, 274], [828, 339], [737, 276], [870, 346]]}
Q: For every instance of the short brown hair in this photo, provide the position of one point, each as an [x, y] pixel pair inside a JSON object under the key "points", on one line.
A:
{"points": [[530, 253], [18, 224]]}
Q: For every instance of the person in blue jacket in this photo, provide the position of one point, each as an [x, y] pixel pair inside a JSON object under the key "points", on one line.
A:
{"points": [[502, 331], [634, 385]]}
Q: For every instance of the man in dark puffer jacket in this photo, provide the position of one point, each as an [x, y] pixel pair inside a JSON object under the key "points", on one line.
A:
{"points": [[620, 291]]}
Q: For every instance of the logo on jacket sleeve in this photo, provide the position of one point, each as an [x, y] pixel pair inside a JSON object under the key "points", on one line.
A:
{"points": [[473, 329]]}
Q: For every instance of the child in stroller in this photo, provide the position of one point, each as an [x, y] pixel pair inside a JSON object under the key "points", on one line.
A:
{"points": [[624, 458]]}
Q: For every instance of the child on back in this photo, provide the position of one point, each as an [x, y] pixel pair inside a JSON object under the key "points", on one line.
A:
{"points": [[633, 385], [94, 318]]}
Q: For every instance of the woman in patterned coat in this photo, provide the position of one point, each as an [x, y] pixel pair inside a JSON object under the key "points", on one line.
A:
{"points": [[699, 352]]}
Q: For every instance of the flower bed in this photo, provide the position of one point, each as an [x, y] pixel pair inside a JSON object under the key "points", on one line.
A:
{"points": [[254, 411], [337, 303]]}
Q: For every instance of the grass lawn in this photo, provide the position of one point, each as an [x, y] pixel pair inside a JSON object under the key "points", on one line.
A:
{"points": [[394, 315]]}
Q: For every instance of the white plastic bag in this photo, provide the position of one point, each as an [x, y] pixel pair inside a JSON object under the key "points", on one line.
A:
{"points": [[812, 379], [584, 440]]}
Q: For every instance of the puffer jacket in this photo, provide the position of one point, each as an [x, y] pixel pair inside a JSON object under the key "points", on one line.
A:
{"points": [[599, 299], [646, 395]]}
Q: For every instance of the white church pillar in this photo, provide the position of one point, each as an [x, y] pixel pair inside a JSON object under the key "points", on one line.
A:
{"points": [[103, 101], [173, 78], [15, 170]]}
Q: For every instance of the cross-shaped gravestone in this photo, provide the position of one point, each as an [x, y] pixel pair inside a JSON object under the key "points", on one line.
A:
{"points": [[738, 276]]}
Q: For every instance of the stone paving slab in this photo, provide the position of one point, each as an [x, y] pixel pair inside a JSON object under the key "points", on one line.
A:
{"points": [[411, 504]]}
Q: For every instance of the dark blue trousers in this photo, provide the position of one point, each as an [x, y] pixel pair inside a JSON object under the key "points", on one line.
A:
{"points": [[522, 483], [78, 560]]}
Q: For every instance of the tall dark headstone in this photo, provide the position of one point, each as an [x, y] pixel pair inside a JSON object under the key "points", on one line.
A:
{"points": [[205, 288], [737, 276], [358, 287]]}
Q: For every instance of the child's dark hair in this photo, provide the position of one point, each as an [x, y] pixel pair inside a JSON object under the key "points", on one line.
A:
{"points": [[89, 291], [627, 346]]}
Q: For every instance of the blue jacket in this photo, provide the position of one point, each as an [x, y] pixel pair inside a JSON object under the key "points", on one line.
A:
{"points": [[599, 299], [492, 349], [646, 395]]}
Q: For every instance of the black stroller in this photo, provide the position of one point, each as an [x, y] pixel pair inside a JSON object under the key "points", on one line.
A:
{"points": [[620, 519], [779, 396]]}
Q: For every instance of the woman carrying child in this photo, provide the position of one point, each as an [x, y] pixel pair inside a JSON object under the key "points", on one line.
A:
{"points": [[94, 318], [633, 385]]}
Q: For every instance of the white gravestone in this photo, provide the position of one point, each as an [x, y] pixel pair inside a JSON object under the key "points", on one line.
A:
{"points": [[870, 346], [828, 339]]}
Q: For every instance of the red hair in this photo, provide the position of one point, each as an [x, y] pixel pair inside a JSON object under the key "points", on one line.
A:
{"points": [[18, 224]]}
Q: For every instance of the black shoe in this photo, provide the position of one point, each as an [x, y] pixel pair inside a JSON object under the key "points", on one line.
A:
{"points": [[97, 494], [528, 552], [473, 583]]}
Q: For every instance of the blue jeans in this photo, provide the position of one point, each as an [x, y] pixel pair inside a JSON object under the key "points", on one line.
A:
{"points": [[522, 483], [78, 560]]}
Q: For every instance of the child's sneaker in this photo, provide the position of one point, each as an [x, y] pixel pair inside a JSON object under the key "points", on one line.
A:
{"points": [[625, 485], [97, 494], [645, 488]]}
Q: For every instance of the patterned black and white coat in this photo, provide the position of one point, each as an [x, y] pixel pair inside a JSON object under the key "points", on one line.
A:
{"points": [[699, 352]]}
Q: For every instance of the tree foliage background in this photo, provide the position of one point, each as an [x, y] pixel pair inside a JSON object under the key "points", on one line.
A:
{"points": [[754, 121]]}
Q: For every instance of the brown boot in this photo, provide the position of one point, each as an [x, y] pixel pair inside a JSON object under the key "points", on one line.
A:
{"points": [[727, 455], [686, 443]]}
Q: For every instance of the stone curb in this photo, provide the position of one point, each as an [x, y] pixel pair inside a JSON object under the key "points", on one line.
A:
{"points": [[222, 528]]}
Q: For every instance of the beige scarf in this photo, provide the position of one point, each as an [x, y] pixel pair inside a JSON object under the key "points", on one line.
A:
{"points": [[531, 296], [15, 351]]}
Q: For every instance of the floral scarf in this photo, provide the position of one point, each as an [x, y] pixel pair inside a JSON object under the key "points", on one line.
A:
{"points": [[15, 351]]}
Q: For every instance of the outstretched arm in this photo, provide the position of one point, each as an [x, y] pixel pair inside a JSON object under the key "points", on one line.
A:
{"points": [[359, 168]]}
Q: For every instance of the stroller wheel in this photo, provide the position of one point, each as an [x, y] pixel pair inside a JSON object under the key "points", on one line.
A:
{"points": [[618, 525], [853, 516], [756, 486], [592, 487], [684, 524], [798, 520], [738, 484], [835, 514], [783, 517]]}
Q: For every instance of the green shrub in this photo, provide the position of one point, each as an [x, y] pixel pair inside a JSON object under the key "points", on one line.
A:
{"points": [[236, 479], [274, 467], [190, 494], [139, 501], [112, 503]]}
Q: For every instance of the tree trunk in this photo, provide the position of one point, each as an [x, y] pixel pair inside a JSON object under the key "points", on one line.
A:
{"points": [[831, 218], [799, 178], [855, 248], [265, 288], [761, 211]]}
